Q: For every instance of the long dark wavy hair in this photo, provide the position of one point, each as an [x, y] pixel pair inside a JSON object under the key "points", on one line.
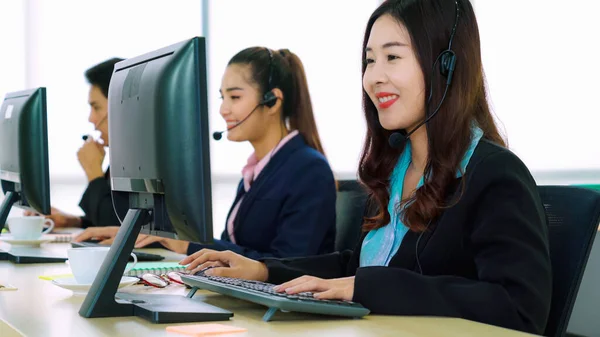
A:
{"points": [[429, 24]]}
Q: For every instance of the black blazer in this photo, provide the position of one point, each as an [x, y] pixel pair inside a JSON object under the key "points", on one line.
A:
{"points": [[97, 204], [486, 259], [289, 210]]}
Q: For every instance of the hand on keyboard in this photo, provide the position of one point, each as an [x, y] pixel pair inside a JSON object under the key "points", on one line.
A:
{"points": [[230, 265], [333, 289], [201, 272]]}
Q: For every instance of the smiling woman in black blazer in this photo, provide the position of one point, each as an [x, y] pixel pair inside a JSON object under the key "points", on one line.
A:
{"points": [[457, 226]]}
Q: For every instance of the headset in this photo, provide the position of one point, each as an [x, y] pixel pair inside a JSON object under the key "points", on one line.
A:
{"points": [[269, 97], [447, 60]]}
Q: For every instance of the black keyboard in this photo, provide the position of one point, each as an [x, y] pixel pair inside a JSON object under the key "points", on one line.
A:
{"points": [[263, 293], [140, 255]]}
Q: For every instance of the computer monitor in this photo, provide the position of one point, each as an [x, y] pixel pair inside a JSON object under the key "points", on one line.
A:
{"points": [[159, 137], [24, 169], [160, 164]]}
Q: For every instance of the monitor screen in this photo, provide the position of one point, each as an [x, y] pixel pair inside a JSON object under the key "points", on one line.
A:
{"points": [[159, 140], [24, 171]]}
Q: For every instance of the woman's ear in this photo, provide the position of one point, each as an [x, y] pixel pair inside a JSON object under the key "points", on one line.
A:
{"points": [[279, 103]]}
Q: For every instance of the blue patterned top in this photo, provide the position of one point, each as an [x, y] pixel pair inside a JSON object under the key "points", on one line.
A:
{"points": [[380, 245]]}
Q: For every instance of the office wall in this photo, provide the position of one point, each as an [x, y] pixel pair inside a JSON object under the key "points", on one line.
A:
{"points": [[539, 58], [12, 50]]}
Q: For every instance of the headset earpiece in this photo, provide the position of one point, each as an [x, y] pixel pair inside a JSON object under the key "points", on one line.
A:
{"points": [[447, 64], [445, 60], [269, 99]]}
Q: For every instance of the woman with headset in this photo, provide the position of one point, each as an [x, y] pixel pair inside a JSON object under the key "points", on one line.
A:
{"points": [[457, 227], [285, 202]]}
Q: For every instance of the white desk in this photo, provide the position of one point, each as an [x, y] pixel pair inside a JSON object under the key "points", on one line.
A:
{"points": [[38, 308]]}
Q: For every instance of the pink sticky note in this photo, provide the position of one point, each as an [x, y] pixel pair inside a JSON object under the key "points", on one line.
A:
{"points": [[199, 330]]}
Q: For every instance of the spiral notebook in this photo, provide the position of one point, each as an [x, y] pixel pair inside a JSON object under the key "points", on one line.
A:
{"points": [[156, 268], [60, 238], [60, 235], [64, 235]]}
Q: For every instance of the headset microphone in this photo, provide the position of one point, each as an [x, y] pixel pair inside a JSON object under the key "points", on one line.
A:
{"points": [[269, 100], [397, 140], [85, 137], [219, 134]]}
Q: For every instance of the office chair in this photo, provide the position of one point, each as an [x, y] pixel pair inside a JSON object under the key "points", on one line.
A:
{"points": [[572, 214], [350, 207]]}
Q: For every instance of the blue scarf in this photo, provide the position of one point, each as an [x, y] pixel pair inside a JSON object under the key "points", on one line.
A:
{"points": [[380, 245]]}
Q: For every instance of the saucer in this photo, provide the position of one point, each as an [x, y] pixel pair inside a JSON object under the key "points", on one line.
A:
{"points": [[29, 242], [81, 289]]}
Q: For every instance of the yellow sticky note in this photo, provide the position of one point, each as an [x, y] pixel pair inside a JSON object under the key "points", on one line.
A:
{"points": [[199, 330], [52, 277]]}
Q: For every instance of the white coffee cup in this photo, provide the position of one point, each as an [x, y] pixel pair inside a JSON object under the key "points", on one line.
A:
{"points": [[29, 227], [85, 262]]}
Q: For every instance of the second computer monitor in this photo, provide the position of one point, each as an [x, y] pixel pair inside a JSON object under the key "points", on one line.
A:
{"points": [[24, 171], [159, 140]]}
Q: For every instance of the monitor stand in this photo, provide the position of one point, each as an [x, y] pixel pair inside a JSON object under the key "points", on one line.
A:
{"points": [[101, 302], [24, 255], [9, 199]]}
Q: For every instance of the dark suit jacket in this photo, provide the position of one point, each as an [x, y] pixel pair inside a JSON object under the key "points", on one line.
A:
{"points": [[288, 211], [97, 204], [486, 258]]}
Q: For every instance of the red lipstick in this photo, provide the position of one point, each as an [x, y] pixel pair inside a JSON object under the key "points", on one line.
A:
{"points": [[388, 103]]}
